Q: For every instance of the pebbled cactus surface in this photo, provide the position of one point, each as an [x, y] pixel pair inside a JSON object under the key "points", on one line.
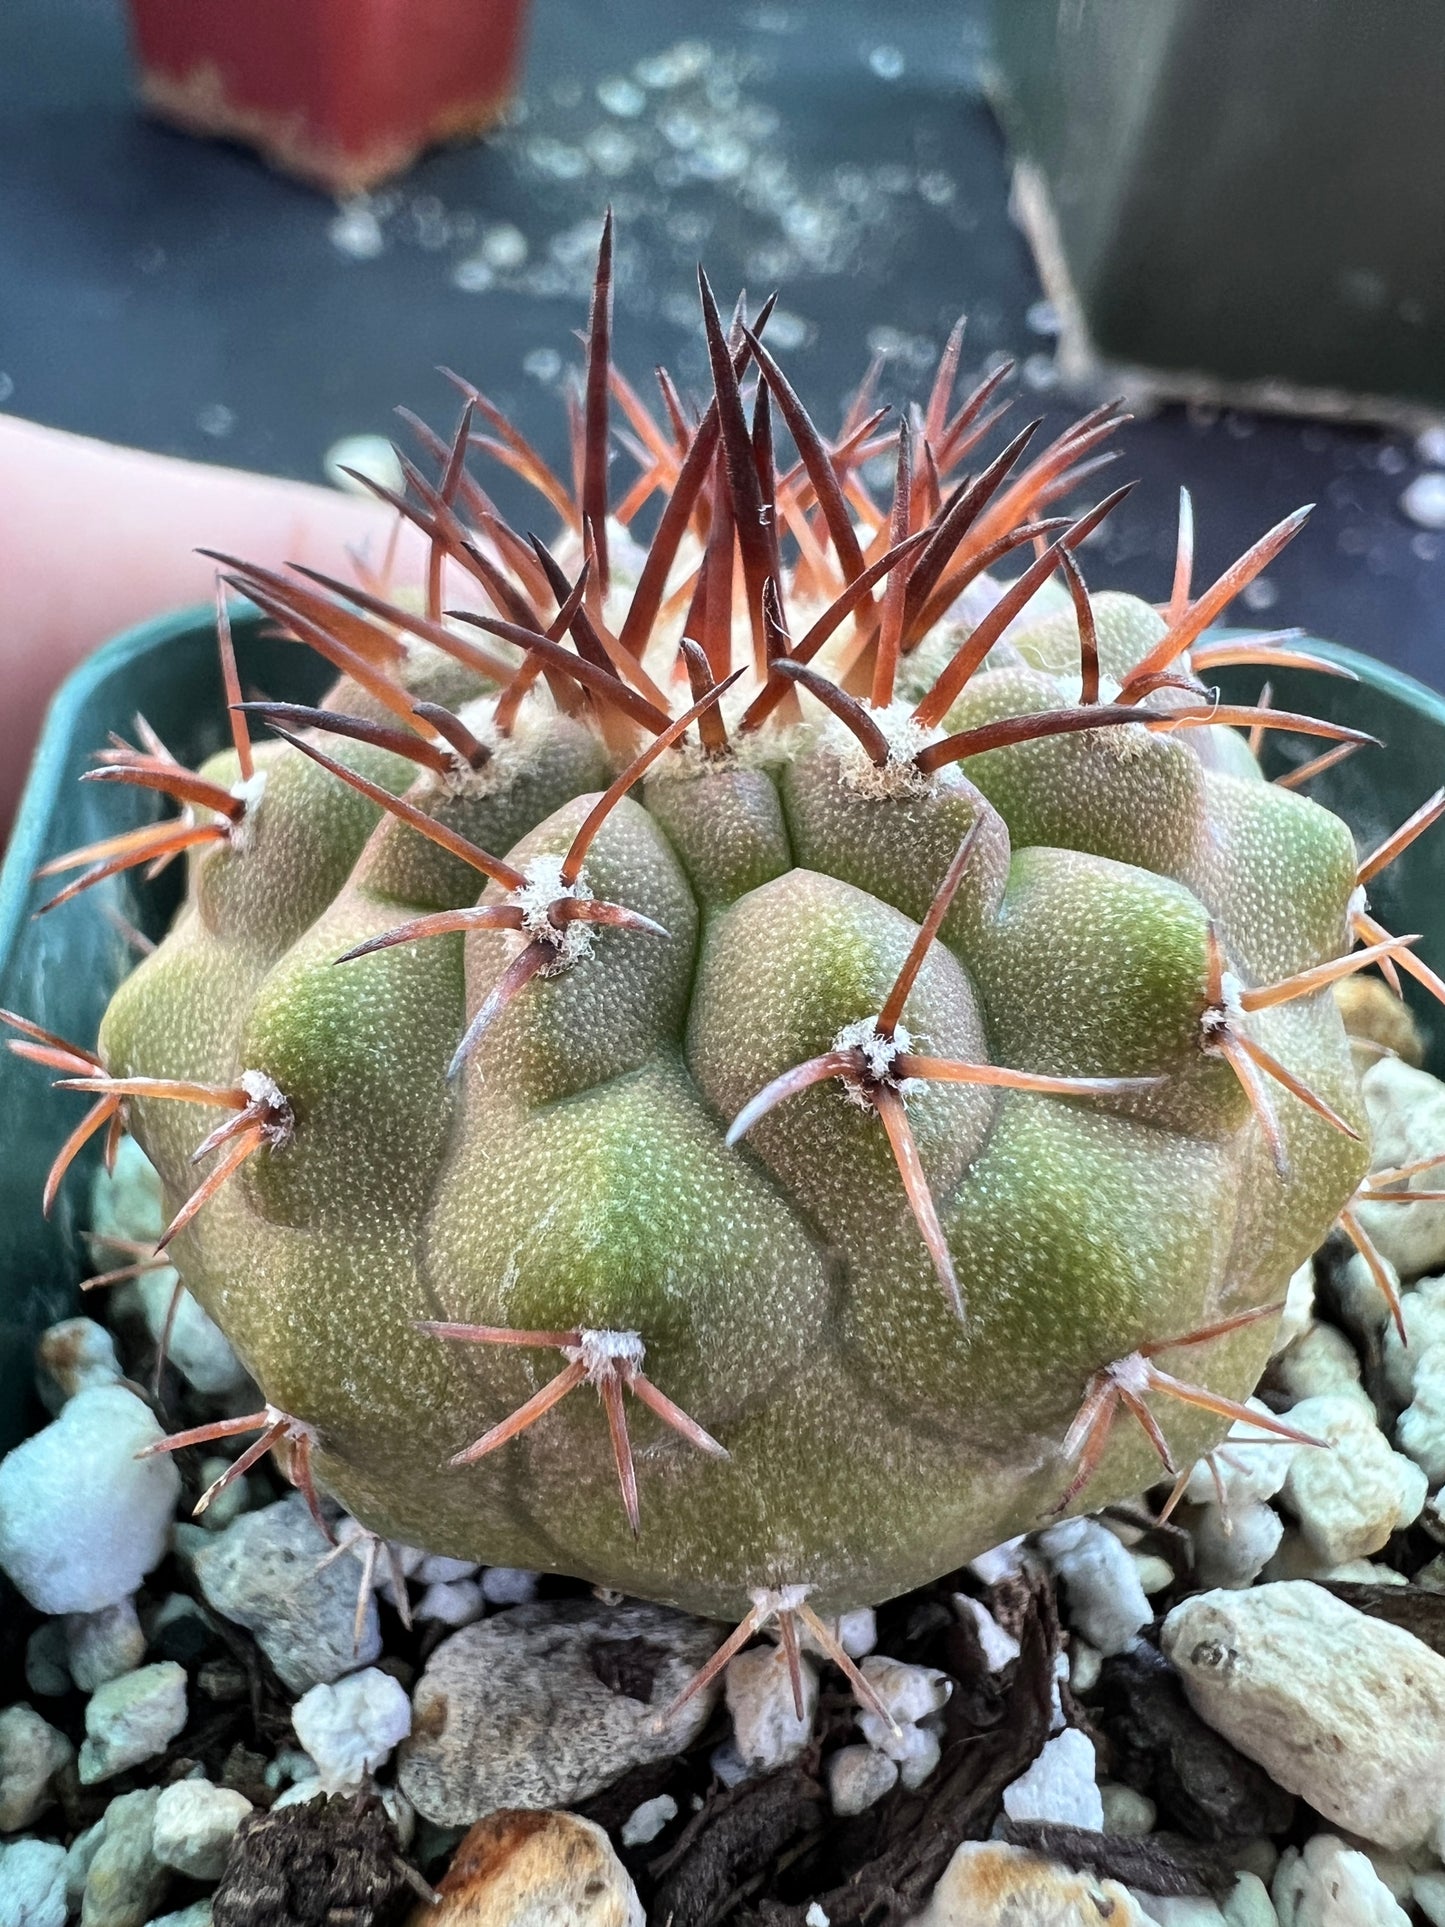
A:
{"points": [[881, 1119]]}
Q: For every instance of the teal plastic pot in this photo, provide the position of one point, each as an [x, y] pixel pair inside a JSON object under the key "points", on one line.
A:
{"points": [[60, 970]]}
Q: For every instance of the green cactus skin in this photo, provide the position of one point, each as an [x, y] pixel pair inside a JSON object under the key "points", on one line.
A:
{"points": [[576, 1174]]}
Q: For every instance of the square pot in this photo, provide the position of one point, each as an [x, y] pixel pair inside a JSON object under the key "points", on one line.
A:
{"points": [[339, 92], [1241, 200]]}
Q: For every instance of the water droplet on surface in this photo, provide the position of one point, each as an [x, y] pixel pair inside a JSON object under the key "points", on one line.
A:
{"points": [[1040, 372], [1424, 547], [1430, 445], [543, 364], [1424, 500], [1392, 460], [1043, 318], [887, 62], [1260, 594]]}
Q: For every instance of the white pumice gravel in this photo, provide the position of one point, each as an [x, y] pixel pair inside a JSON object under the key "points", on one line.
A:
{"points": [[32, 1884], [907, 1693], [32, 1753], [645, 1822], [858, 1777], [1347, 1712], [1000, 1648], [766, 1728], [1234, 1544], [1125, 1811], [1321, 1361], [194, 1825], [1299, 1307], [453, 1602], [82, 1519], [100, 1646], [1328, 1884], [1350, 1499], [856, 1632], [1060, 1787], [349, 1728], [999, 1562], [1407, 1122], [1105, 1599], [72, 1357], [509, 1585], [132, 1719]]}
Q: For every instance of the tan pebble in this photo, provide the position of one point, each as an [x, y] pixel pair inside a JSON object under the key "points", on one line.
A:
{"points": [[1374, 1013], [524, 1868], [989, 1885]]}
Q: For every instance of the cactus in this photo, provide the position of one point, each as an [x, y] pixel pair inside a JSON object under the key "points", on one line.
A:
{"points": [[778, 1022]]}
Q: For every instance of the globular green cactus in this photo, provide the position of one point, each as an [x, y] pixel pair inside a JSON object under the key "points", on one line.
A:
{"points": [[921, 1057]]}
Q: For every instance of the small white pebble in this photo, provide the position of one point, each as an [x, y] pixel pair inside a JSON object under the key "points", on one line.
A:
{"points": [[509, 1586], [436, 1569], [131, 1719], [923, 1753], [1000, 1649], [856, 1632], [729, 1765], [1154, 1574], [1060, 1786], [457, 1603], [71, 1356], [289, 1765], [82, 1519], [858, 1776], [102, 1645], [766, 1726], [908, 1693], [32, 1752], [301, 1794], [32, 1884], [194, 1825], [351, 1727], [1105, 1600], [645, 1822], [1332, 1885], [1000, 1562], [1086, 1663], [1126, 1811], [1349, 1500]]}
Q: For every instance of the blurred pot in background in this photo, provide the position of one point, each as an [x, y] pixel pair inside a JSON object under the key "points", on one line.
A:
{"points": [[1242, 201], [342, 93]]}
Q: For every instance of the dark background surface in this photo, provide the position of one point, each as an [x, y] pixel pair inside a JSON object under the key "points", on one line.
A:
{"points": [[177, 295]]}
